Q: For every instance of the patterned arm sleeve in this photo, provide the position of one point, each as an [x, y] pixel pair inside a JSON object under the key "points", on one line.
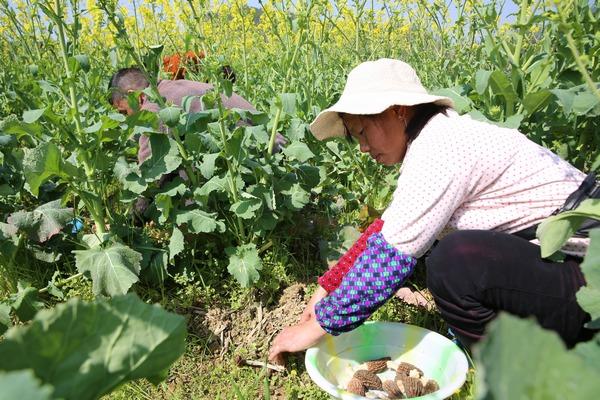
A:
{"points": [[376, 275], [332, 278]]}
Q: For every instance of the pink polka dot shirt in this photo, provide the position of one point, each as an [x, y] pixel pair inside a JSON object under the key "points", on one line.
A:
{"points": [[460, 173]]}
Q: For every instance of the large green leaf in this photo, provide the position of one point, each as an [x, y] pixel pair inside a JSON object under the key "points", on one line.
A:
{"points": [[5, 321], [501, 86], [25, 221], [589, 295], [41, 163], [246, 207], [25, 302], [85, 350], [462, 103], [244, 264], [199, 221], [164, 159], [536, 100], [215, 184], [129, 176], [113, 269], [207, 168], [590, 352], [288, 103], [578, 100], [53, 218], [520, 360], [298, 197], [482, 78], [299, 151], [23, 385], [176, 244], [30, 116], [554, 231]]}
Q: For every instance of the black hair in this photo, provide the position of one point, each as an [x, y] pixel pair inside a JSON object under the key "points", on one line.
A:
{"points": [[123, 81], [421, 116]]}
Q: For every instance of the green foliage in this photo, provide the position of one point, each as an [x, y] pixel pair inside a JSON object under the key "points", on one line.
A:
{"points": [[510, 367], [589, 295], [554, 231], [244, 264], [23, 384], [42, 223], [85, 350], [113, 268]]}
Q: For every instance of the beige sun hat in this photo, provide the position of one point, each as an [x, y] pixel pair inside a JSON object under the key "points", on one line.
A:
{"points": [[371, 88]]}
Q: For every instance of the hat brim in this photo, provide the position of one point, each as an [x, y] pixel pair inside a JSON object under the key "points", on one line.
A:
{"points": [[328, 123]]}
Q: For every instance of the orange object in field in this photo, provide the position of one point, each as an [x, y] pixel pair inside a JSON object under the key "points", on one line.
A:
{"points": [[174, 65]]}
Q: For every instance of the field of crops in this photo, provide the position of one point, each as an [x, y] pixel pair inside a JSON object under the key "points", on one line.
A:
{"points": [[232, 251]]}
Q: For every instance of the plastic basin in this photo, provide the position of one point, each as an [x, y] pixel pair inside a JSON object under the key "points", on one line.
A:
{"points": [[333, 361]]}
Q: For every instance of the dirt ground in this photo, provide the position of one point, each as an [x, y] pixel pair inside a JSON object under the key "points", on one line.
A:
{"points": [[250, 329]]}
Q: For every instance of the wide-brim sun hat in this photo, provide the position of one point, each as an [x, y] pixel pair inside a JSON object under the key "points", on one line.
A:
{"points": [[371, 88]]}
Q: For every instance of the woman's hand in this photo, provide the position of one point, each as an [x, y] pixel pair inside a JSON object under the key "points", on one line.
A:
{"points": [[309, 311], [295, 338]]}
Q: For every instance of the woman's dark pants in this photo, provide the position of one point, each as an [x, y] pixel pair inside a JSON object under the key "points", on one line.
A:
{"points": [[473, 275]]}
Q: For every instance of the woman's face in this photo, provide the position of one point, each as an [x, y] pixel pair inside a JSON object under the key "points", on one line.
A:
{"points": [[382, 135]]}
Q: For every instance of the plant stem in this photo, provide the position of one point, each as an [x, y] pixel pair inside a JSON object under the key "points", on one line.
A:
{"points": [[63, 282]]}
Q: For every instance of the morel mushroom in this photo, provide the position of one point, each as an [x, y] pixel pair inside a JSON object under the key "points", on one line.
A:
{"points": [[355, 386], [368, 379], [377, 366]]}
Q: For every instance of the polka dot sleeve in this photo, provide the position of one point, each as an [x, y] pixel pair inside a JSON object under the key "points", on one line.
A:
{"points": [[374, 278], [332, 278]]}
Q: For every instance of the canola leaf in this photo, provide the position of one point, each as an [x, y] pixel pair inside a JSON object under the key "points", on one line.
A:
{"points": [[297, 197], [536, 100], [41, 163], [590, 352], [554, 231], [297, 130], [462, 104], [510, 367], [173, 188], [84, 61], [25, 221], [501, 86], [53, 218], [5, 321], [244, 264], [512, 122], [199, 221], [94, 347], [247, 207], [170, 116], [156, 271], [113, 269], [164, 159], [207, 168], [482, 79], [288, 103], [259, 133], [30, 116], [128, 176], [176, 243], [164, 204], [298, 151], [578, 100], [588, 296], [215, 184], [23, 385], [25, 302]]}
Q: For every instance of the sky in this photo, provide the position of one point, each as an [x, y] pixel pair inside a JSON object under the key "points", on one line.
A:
{"points": [[509, 8]]}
